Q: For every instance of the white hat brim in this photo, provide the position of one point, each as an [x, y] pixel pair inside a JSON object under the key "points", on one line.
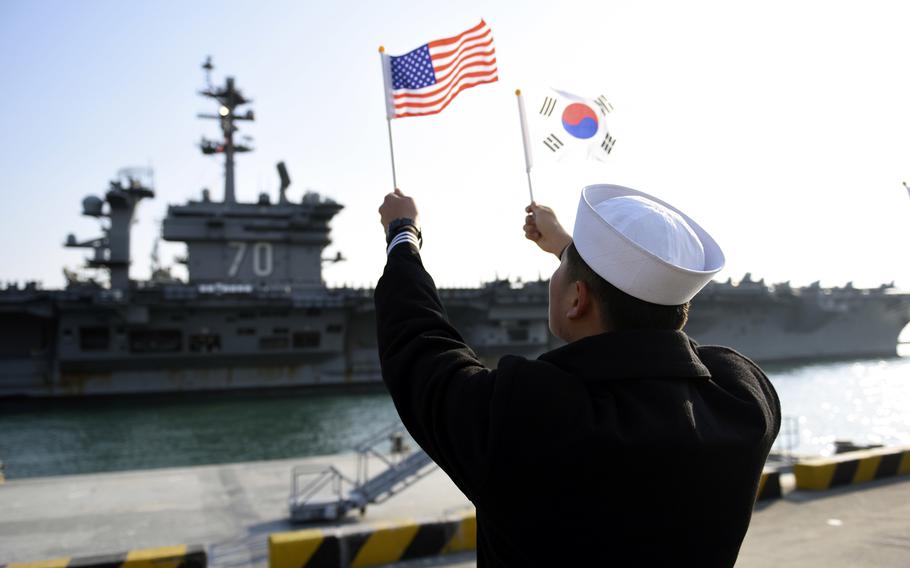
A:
{"points": [[628, 266]]}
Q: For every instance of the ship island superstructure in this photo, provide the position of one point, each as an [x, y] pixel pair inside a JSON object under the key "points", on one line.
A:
{"points": [[255, 312]]}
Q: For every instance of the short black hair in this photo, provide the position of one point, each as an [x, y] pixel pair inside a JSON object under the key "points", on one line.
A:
{"points": [[619, 310]]}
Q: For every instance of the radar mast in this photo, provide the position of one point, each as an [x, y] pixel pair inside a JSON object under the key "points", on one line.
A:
{"points": [[230, 99]]}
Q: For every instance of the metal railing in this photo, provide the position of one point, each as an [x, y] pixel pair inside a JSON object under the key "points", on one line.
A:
{"points": [[395, 478], [325, 475], [788, 439], [370, 448], [328, 494]]}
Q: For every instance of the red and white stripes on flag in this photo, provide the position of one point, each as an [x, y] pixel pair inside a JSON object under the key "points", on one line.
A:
{"points": [[425, 80]]}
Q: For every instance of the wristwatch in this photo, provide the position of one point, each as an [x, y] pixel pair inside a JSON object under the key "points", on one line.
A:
{"points": [[403, 224]]}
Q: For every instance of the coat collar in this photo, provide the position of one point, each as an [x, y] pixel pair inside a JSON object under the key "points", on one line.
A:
{"points": [[630, 355]]}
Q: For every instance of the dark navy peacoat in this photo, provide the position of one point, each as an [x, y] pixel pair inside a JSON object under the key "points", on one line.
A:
{"points": [[629, 448]]}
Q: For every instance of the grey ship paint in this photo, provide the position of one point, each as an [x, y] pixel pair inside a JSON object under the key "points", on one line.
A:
{"points": [[255, 312]]}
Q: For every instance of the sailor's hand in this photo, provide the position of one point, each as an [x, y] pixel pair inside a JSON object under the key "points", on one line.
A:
{"points": [[397, 205], [542, 227]]}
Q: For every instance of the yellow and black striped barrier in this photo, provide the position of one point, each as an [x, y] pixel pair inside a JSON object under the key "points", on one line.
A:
{"points": [[769, 485], [164, 557], [852, 467], [380, 544]]}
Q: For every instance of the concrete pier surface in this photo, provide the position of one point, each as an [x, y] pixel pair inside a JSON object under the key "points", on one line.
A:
{"points": [[864, 525], [231, 509]]}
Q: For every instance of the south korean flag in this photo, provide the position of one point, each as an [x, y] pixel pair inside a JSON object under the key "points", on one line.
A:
{"points": [[567, 125]]}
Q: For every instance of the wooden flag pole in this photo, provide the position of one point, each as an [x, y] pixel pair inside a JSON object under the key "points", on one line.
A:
{"points": [[525, 140], [388, 118]]}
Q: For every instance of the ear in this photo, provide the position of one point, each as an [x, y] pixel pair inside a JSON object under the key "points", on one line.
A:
{"points": [[581, 301]]}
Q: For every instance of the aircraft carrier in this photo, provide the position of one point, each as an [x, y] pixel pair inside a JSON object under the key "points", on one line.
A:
{"points": [[255, 312]]}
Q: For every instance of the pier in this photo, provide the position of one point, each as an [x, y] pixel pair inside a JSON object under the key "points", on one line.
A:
{"points": [[232, 509]]}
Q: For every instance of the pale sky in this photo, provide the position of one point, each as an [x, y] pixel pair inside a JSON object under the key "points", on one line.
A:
{"points": [[781, 127]]}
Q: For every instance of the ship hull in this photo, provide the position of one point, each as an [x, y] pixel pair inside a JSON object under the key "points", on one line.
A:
{"points": [[66, 346]]}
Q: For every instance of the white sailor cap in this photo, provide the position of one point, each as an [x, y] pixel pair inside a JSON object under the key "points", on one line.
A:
{"points": [[644, 246]]}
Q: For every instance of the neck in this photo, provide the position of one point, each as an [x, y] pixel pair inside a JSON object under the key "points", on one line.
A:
{"points": [[582, 329]]}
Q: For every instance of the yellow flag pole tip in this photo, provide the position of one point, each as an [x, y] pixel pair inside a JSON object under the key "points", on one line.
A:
{"points": [[517, 92], [381, 49]]}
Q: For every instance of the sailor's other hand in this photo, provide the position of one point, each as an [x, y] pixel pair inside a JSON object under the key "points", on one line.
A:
{"points": [[542, 227], [395, 206]]}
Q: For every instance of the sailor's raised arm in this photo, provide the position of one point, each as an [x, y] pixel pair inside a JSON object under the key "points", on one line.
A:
{"points": [[441, 390], [542, 227]]}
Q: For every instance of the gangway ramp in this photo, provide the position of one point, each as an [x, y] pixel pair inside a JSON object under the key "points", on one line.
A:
{"points": [[323, 493]]}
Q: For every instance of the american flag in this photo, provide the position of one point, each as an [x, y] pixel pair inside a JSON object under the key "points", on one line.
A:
{"points": [[425, 80]]}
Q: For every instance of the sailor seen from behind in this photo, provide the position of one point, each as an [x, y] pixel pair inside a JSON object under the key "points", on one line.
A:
{"points": [[630, 445]]}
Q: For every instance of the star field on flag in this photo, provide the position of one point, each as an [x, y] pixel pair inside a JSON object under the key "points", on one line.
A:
{"points": [[425, 80]]}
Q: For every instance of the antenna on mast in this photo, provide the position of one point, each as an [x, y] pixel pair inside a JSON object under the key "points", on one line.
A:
{"points": [[207, 66]]}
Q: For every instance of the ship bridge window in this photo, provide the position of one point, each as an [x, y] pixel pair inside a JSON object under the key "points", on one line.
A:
{"points": [[94, 338], [205, 343], [156, 341], [306, 339]]}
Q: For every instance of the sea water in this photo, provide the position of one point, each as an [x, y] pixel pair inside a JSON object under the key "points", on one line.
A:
{"points": [[864, 401]]}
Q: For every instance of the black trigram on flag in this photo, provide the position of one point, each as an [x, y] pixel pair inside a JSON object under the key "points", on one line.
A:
{"points": [[553, 143], [603, 104], [548, 106], [607, 143]]}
